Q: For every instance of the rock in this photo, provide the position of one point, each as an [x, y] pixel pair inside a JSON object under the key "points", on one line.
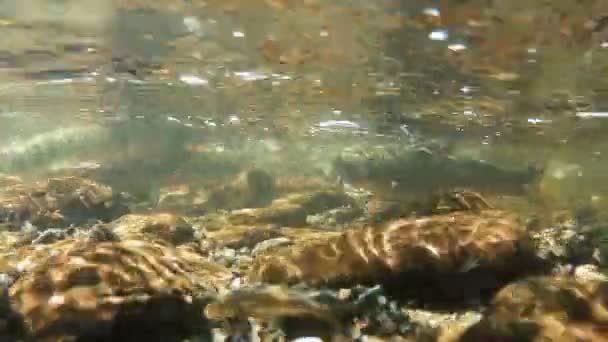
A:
{"points": [[167, 227], [60, 202], [562, 243], [116, 291], [250, 189], [548, 308], [454, 255], [292, 210]]}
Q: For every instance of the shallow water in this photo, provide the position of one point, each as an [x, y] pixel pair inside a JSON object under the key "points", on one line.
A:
{"points": [[304, 120]]}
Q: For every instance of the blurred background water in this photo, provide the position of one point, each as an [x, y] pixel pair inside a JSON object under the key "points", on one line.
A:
{"points": [[152, 90]]}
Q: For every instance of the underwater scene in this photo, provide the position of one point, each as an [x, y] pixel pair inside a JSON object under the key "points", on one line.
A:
{"points": [[304, 170]]}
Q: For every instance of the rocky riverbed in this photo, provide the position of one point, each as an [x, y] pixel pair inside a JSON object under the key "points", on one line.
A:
{"points": [[264, 257]]}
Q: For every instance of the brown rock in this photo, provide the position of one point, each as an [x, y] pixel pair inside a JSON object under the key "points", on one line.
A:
{"points": [[60, 202], [455, 254], [129, 290], [163, 226], [292, 210], [557, 309], [250, 189]]}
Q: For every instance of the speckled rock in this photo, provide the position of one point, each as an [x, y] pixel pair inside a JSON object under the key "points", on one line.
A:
{"points": [[167, 227], [556, 309], [250, 189], [292, 210], [562, 243], [116, 291], [456, 254], [60, 202]]}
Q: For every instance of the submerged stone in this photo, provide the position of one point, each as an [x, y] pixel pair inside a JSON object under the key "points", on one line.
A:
{"points": [[116, 291], [166, 227], [60, 202], [548, 308], [250, 189], [455, 255], [292, 210]]}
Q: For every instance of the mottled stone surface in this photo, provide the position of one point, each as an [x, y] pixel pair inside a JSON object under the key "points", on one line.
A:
{"points": [[59, 202], [116, 290], [554, 308], [447, 251], [292, 210], [167, 227]]}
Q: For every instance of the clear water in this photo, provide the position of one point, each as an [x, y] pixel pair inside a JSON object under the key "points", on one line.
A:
{"points": [[237, 73], [148, 96]]}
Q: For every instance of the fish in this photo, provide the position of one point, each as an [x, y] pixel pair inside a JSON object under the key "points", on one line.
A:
{"points": [[420, 171]]}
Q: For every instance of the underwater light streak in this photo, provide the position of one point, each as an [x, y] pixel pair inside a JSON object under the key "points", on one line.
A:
{"points": [[585, 115], [439, 35], [193, 80]]}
